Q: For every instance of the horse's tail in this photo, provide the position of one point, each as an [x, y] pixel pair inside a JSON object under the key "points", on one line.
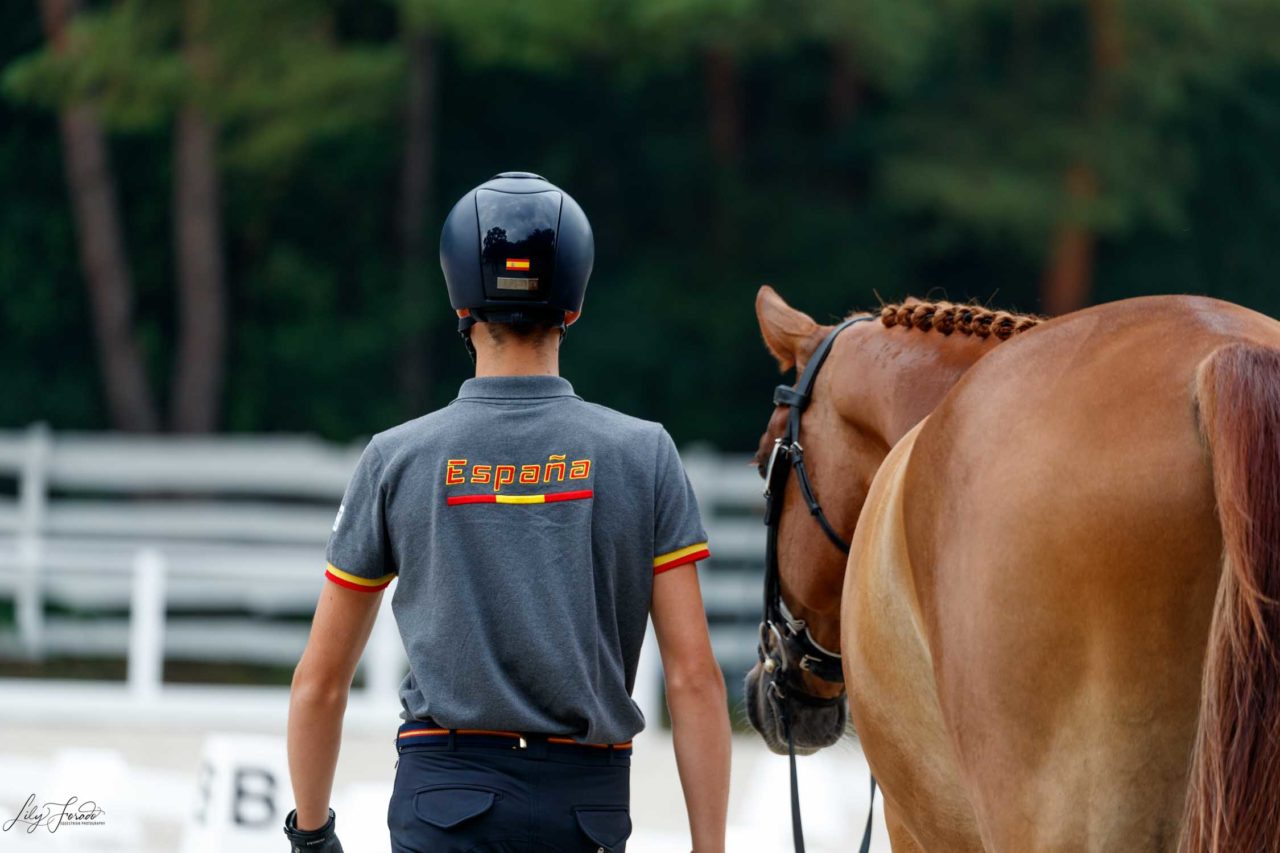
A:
{"points": [[1234, 792]]}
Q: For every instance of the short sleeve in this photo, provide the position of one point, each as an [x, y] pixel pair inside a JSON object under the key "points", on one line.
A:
{"points": [[678, 537], [359, 554]]}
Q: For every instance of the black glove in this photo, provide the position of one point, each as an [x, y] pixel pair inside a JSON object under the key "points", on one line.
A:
{"points": [[322, 840]]}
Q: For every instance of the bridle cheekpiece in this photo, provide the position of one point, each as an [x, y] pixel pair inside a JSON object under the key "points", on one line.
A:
{"points": [[794, 649]]}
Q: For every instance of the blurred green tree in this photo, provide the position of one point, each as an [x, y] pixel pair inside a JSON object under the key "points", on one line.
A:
{"points": [[103, 255], [1044, 126], [838, 150], [419, 35], [721, 35], [257, 82], [882, 45], [545, 36]]}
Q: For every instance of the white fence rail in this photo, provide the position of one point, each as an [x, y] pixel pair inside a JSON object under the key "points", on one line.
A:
{"points": [[210, 549]]}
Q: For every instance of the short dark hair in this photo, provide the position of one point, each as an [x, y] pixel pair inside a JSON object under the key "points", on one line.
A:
{"points": [[526, 330]]}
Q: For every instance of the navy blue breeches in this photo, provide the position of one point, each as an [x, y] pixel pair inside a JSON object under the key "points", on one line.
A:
{"points": [[475, 794]]}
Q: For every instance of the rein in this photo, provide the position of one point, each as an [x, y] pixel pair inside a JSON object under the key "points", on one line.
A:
{"points": [[794, 647]]}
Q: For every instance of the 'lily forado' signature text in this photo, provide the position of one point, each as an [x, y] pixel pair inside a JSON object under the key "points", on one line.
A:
{"points": [[51, 815]]}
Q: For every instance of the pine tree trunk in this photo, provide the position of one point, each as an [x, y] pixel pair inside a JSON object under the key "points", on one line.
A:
{"points": [[844, 95], [1067, 284], [725, 134], [1106, 36], [1068, 281], [198, 370], [100, 239], [415, 197], [724, 112], [196, 398]]}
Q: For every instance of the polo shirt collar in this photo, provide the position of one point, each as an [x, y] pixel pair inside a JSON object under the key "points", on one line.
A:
{"points": [[515, 387]]}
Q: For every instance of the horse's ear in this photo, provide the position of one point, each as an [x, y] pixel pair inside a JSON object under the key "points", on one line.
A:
{"points": [[786, 330]]}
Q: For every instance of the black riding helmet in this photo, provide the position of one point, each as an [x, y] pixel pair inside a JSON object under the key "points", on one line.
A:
{"points": [[516, 249]]}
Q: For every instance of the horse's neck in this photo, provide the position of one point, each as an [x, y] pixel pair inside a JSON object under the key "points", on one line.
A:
{"points": [[920, 368]]}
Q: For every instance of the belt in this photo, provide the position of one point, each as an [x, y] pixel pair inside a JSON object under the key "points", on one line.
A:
{"points": [[418, 732]]}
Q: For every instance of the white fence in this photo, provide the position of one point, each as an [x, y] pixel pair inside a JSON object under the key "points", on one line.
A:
{"points": [[160, 547]]}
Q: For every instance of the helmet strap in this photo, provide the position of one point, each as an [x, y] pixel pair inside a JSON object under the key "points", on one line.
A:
{"points": [[464, 329]]}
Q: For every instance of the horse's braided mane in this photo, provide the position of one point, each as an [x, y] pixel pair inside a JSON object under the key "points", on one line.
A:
{"points": [[948, 317]]}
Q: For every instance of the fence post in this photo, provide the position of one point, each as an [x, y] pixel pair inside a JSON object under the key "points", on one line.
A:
{"points": [[146, 625], [32, 499]]}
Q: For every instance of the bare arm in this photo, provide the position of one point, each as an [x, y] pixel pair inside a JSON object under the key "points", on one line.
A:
{"points": [[318, 699], [698, 704]]}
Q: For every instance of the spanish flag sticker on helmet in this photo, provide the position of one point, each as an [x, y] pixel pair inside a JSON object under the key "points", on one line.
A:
{"points": [[517, 263]]}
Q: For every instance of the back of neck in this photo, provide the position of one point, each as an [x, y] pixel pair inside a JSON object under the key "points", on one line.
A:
{"points": [[514, 359]]}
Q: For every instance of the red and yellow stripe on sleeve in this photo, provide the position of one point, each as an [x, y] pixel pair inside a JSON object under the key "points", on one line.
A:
{"points": [[356, 582], [680, 557]]}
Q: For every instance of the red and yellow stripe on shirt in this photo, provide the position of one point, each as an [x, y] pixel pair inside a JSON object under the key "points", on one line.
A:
{"points": [[356, 582], [680, 557], [550, 497]]}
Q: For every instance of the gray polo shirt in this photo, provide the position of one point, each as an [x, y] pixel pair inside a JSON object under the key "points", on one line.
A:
{"points": [[525, 527]]}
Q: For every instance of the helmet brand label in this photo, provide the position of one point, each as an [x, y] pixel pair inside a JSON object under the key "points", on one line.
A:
{"points": [[522, 284]]}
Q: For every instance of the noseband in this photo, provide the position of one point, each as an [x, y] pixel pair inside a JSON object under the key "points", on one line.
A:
{"points": [[794, 650]]}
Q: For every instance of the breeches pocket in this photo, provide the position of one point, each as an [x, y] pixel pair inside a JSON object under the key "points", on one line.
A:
{"points": [[470, 802]]}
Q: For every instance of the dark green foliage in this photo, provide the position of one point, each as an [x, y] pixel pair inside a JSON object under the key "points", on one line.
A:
{"points": [[46, 350], [945, 180]]}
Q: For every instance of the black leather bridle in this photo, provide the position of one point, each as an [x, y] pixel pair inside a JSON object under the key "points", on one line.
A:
{"points": [[794, 647], [794, 651]]}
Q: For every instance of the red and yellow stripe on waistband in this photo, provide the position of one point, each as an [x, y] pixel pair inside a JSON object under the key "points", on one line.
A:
{"points": [[512, 735], [680, 557], [551, 497], [356, 582], [434, 732]]}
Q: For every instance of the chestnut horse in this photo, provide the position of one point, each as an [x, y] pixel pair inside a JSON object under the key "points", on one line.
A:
{"points": [[1060, 616]]}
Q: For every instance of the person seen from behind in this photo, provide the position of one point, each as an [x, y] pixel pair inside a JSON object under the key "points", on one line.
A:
{"points": [[531, 535]]}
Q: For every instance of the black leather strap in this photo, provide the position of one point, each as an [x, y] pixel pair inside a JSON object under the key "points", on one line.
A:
{"points": [[804, 387], [785, 395], [797, 399], [865, 846], [788, 454], [792, 646], [797, 825], [815, 509]]}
